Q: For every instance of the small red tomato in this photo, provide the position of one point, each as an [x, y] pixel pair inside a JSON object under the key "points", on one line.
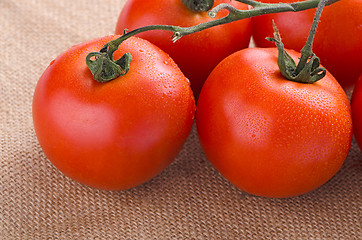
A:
{"points": [[338, 40], [196, 54], [270, 136], [113, 135], [357, 111]]}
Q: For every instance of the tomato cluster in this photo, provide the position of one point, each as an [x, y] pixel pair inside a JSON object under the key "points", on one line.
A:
{"points": [[267, 135]]}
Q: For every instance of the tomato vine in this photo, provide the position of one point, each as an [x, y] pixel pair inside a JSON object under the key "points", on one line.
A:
{"points": [[104, 68]]}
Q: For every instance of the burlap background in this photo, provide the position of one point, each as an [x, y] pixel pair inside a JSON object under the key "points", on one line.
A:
{"points": [[189, 200]]}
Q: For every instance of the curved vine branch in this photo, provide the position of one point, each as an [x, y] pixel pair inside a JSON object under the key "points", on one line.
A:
{"points": [[102, 72]]}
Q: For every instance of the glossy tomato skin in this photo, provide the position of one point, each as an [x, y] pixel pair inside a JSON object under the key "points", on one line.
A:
{"points": [[113, 135], [269, 136], [196, 54], [338, 41], [357, 111]]}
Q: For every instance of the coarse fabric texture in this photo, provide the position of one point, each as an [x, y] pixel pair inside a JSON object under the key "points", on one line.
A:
{"points": [[189, 200]]}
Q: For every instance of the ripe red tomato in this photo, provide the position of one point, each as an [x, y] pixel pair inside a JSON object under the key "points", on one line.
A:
{"points": [[113, 135], [294, 27], [357, 111], [196, 54], [338, 41], [270, 136]]}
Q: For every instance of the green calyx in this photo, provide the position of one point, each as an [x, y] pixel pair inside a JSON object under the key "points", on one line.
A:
{"points": [[198, 5], [305, 71], [104, 68]]}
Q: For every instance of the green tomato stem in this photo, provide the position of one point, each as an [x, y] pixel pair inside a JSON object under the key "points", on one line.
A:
{"points": [[104, 68], [307, 70], [307, 50]]}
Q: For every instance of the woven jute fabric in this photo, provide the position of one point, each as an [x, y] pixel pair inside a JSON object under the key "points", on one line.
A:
{"points": [[188, 200]]}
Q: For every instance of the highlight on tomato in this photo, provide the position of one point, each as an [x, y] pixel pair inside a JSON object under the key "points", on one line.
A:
{"points": [[356, 103], [270, 136], [118, 134], [338, 40], [198, 53]]}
